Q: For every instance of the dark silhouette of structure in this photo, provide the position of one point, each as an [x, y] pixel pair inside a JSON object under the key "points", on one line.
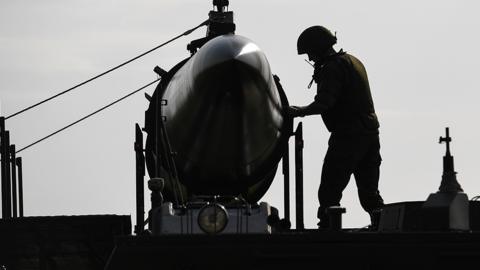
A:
{"points": [[60, 242], [345, 103], [11, 167], [448, 209]]}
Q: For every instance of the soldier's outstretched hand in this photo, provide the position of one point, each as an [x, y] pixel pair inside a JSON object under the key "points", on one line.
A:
{"points": [[295, 111]]}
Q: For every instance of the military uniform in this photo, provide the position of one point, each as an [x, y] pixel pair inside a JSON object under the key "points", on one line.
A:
{"points": [[345, 103]]}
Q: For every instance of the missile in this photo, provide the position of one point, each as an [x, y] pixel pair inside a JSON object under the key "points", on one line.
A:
{"points": [[225, 120]]}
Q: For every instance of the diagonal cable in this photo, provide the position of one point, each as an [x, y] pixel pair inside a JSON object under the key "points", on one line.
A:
{"points": [[106, 72], [87, 116]]}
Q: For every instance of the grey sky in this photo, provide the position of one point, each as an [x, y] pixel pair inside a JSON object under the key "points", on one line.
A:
{"points": [[421, 57]]}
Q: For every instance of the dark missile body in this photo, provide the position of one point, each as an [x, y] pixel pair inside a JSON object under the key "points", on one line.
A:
{"points": [[225, 119]]}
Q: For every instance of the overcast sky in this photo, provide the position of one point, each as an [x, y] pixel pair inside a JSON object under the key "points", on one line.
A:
{"points": [[421, 58]]}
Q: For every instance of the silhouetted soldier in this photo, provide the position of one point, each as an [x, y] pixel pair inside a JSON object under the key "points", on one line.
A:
{"points": [[345, 103]]}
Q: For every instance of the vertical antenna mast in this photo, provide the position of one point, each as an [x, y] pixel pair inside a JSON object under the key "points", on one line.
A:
{"points": [[449, 177]]}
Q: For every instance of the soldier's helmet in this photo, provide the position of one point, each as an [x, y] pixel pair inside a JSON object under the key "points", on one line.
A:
{"points": [[315, 39]]}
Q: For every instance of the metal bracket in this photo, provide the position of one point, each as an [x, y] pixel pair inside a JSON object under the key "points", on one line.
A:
{"points": [[299, 176]]}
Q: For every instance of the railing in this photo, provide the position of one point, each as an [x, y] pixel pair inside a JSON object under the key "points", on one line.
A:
{"points": [[11, 176]]}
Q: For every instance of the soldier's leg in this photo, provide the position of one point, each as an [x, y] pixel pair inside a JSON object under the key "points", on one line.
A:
{"points": [[337, 169], [367, 175]]}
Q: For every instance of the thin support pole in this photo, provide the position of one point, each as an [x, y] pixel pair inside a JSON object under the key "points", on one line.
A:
{"points": [[3, 165], [6, 167], [170, 159], [140, 186], [286, 182], [14, 180], [299, 176], [18, 161]]}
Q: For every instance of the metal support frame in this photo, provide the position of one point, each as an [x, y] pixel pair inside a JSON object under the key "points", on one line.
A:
{"points": [[8, 179], [14, 180], [18, 162], [5, 164], [3, 161], [140, 185], [168, 157], [9, 163], [286, 182], [299, 176]]}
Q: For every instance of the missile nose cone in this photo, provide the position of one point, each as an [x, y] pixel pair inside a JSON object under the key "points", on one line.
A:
{"points": [[227, 48]]}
